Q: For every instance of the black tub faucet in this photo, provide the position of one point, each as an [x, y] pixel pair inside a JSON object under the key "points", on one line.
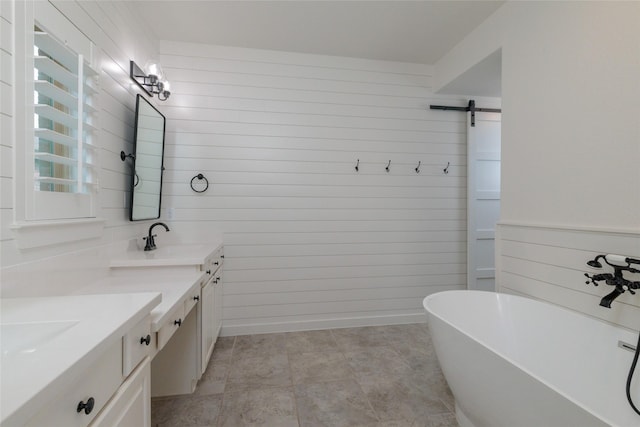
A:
{"points": [[151, 243], [620, 264]]}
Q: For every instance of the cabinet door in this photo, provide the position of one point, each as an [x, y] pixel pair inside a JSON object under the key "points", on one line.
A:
{"points": [[131, 405], [217, 310], [208, 308], [96, 384]]}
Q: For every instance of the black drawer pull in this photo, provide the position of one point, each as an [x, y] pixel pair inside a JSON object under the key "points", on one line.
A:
{"points": [[196, 298], [208, 271], [178, 322], [88, 407], [146, 340], [216, 263], [217, 279], [221, 256]]}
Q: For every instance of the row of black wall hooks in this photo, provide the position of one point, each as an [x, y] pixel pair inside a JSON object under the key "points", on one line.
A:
{"points": [[417, 168], [201, 179]]}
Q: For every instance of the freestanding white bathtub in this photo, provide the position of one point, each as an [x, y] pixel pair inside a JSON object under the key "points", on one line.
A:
{"points": [[515, 362]]}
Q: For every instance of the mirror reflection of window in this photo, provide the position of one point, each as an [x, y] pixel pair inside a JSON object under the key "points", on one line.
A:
{"points": [[149, 150]]}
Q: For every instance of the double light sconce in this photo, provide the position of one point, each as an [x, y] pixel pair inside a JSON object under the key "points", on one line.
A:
{"points": [[151, 80]]}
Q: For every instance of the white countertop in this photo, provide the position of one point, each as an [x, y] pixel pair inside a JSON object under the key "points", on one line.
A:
{"points": [[169, 255], [35, 372], [174, 286]]}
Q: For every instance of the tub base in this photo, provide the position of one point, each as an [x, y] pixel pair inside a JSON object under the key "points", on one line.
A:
{"points": [[461, 417]]}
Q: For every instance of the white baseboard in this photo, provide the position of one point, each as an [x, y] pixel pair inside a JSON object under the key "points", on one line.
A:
{"points": [[354, 322]]}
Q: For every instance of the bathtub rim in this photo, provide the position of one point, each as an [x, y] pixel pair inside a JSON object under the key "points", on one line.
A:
{"points": [[498, 295]]}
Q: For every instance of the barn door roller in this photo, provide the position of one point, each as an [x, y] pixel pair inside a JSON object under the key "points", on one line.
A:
{"points": [[471, 107]]}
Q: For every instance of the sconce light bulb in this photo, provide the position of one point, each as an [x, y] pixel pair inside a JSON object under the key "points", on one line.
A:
{"points": [[153, 68], [164, 95]]}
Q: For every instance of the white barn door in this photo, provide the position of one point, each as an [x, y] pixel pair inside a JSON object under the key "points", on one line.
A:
{"points": [[483, 198]]}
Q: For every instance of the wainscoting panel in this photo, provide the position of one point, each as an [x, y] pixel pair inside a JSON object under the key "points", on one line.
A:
{"points": [[548, 263]]}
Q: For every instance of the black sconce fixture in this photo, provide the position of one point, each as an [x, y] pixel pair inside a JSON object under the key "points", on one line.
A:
{"points": [[152, 81]]}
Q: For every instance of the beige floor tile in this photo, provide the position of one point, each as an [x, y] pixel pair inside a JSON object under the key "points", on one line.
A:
{"points": [[308, 341], [397, 398], [376, 361], [248, 346], [334, 404], [271, 407], [186, 411], [268, 371], [379, 376], [318, 367], [214, 379]]}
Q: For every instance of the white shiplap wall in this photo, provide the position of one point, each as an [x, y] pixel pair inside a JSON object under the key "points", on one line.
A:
{"points": [[548, 263], [310, 242], [119, 36], [6, 114]]}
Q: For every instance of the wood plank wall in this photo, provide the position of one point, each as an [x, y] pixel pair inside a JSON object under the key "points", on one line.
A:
{"points": [[548, 263], [310, 242], [119, 36]]}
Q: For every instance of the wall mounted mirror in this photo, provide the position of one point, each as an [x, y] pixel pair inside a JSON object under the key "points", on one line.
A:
{"points": [[148, 150]]}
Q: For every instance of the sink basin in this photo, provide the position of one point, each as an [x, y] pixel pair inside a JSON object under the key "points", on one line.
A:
{"points": [[24, 338]]}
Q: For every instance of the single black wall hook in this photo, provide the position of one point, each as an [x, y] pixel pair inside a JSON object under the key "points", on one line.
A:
{"points": [[124, 156], [446, 170], [388, 164], [358, 165], [418, 167], [200, 178]]}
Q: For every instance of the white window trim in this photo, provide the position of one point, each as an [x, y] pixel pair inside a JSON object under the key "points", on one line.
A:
{"points": [[28, 232]]}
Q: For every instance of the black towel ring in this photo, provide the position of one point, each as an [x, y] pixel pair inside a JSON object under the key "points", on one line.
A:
{"points": [[200, 177]]}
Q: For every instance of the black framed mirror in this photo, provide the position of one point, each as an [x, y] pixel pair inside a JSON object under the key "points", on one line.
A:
{"points": [[148, 161]]}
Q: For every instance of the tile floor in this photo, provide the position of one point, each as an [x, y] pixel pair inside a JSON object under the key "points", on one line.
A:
{"points": [[379, 376]]}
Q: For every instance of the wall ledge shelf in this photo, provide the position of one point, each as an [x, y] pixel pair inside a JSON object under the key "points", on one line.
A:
{"points": [[37, 234]]}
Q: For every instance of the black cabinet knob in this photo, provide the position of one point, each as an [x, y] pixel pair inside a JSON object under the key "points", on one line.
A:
{"points": [[178, 322], [208, 271], [217, 279], [216, 263], [146, 340], [196, 298], [87, 407], [221, 256]]}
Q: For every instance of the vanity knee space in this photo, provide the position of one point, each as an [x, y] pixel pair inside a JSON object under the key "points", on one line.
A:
{"points": [[186, 325]]}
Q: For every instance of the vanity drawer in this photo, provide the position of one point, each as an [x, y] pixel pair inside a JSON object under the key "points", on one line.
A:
{"points": [[174, 321], [193, 298], [136, 344], [214, 261], [95, 385]]}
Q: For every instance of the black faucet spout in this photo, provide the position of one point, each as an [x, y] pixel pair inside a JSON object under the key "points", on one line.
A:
{"points": [[151, 243], [609, 298], [156, 224]]}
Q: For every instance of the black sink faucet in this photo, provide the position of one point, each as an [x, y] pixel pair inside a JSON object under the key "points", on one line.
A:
{"points": [[616, 279], [151, 243]]}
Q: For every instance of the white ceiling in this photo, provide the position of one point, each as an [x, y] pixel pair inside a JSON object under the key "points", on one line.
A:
{"points": [[406, 31]]}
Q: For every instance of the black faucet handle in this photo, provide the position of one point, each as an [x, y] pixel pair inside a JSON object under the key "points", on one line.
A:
{"points": [[594, 278]]}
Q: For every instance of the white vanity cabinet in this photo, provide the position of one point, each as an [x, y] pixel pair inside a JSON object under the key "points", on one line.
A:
{"points": [[210, 309], [112, 391], [130, 406], [186, 325]]}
